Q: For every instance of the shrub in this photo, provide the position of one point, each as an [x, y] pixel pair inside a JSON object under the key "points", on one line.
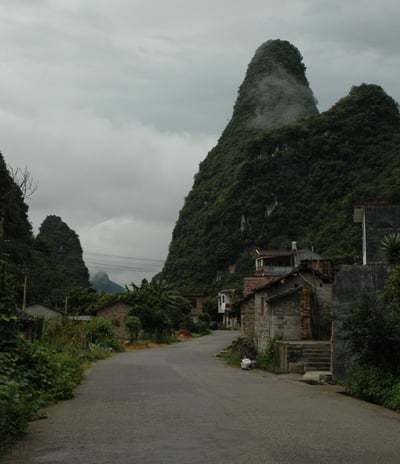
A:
{"points": [[30, 377], [133, 325], [393, 400], [369, 383], [99, 333]]}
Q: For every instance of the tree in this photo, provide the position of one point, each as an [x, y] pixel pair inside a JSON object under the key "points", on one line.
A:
{"points": [[133, 325], [373, 333], [24, 180], [159, 307]]}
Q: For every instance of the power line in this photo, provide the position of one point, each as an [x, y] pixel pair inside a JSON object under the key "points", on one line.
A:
{"points": [[160, 261], [121, 267]]}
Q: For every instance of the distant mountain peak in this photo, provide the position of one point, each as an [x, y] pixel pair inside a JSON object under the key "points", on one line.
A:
{"points": [[102, 283]]}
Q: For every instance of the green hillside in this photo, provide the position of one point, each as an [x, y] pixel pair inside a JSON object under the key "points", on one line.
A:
{"points": [[281, 172]]}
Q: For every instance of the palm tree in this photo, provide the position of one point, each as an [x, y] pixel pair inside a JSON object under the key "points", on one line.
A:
{"points": [[391, 247]]}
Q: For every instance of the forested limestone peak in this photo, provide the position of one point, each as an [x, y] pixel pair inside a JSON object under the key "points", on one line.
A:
{"points": [[275, 91], [270, 184], [66, 250]]}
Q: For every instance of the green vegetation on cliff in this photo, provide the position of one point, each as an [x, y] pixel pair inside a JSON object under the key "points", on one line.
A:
{"points": [[282, 172]]}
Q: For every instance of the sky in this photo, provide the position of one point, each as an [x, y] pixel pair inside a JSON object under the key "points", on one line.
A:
{"points": [[112, 105]]}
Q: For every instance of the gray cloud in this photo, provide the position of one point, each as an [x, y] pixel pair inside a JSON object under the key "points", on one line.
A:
{"points": [[112, 105]]}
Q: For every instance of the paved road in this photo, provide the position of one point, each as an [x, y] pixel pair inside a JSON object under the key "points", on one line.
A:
{"points": [[180, 404]]}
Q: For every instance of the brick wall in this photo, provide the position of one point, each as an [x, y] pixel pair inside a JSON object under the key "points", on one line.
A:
{"points": [[250, 283], [115, 314]]}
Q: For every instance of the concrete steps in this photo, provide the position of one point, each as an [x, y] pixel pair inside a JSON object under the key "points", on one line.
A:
{"points": [[316, 357]]}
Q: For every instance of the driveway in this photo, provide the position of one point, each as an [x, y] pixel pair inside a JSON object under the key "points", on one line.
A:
{"points": [[181, 404]]}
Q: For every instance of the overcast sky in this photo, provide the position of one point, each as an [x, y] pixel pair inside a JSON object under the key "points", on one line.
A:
{"points": [[112, 104]]}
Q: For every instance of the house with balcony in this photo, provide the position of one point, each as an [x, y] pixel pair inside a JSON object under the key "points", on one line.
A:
{"points": [[229, 319], [289, 298]]}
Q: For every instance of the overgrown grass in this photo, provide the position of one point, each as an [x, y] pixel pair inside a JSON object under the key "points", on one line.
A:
{"points": [[232, 358], [36, 373], [374, 385]]}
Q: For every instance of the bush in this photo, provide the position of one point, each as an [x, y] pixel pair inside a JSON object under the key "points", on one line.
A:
{"points": [[99, 333], [32, 376], [133, 325], [393, 401], [369, 383]]}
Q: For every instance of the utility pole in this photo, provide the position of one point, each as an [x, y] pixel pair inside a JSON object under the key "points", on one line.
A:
{"points": [[25, 286]]}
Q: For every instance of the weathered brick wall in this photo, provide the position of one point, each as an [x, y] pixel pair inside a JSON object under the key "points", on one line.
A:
{"points": [[116, 315], [250, 283], [247, 319]]}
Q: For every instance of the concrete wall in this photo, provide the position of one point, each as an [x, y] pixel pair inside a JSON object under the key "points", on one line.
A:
{"points": [[350, 283], [378, 221]]}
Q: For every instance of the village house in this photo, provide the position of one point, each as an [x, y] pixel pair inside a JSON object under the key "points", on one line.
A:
{"points": [[293, 306], [115, 313], [42, 311], [289, 299], [229, 319], [196, 300]]}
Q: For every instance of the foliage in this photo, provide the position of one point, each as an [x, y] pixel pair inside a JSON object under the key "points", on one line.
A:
{"points": [[133, 325], [57, 265], [369, 383], [373, 333], [98, 331], [391, 247], [201, 326], [372, 326], [268, 359], [232, 357], [31, 376], [270, 181], [159, 307], [391, 292]]}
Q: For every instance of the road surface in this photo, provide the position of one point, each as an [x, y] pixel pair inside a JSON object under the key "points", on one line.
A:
{"points": [[180, 404]]}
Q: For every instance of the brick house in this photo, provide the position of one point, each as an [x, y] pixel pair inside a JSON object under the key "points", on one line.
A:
{"points": [[115, 313], [289, 297], [196, 300]]}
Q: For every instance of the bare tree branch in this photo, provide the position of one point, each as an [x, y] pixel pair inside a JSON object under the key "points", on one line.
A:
{"points": [[24, 180]]}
